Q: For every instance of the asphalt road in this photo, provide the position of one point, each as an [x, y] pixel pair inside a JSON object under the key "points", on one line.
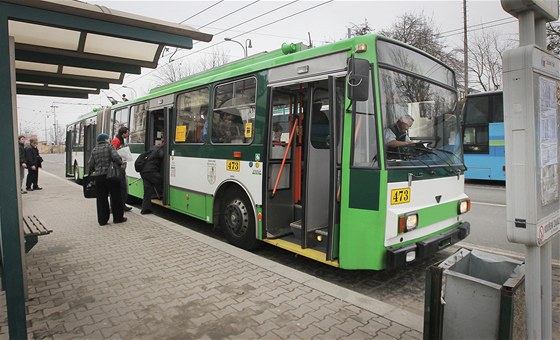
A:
{"points": [[403, 287]]}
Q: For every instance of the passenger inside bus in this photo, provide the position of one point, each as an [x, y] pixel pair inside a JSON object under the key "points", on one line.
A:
{"points": [[228, 129]]}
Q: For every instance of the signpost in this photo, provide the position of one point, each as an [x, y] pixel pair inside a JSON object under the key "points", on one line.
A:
{"points": [[531, 121]]}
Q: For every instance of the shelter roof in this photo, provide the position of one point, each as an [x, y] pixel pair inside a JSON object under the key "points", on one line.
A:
{"points": [[69, 48]]}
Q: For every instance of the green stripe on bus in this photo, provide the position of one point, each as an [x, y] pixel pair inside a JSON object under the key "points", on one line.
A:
{"points": [[496, 142]]}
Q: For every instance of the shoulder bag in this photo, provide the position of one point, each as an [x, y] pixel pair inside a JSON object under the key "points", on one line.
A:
{"points": [[113, 174], [90, 189]]}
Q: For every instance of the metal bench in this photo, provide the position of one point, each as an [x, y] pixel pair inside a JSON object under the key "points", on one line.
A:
{"points": [[32, 229]]}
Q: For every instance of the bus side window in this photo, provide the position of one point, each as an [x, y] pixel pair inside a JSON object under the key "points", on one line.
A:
{"points": [[192, 111], [234, 112]]}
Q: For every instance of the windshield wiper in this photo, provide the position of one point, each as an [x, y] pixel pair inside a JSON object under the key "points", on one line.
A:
{"points": [[449, 167], [454, 155], [405, 157]]}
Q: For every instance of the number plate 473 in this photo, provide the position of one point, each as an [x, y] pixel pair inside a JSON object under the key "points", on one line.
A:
{"points": [[399, 196]]}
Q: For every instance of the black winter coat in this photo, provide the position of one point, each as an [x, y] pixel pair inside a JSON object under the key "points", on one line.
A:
{"points": [[32, 157], [153, 164]]}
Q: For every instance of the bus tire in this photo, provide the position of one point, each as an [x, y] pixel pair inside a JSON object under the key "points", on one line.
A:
{"points": [[237, 220], [77, 174]]}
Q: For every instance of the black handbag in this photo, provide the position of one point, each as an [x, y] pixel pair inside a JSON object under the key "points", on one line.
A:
{"points": [[90, 188], [113, 174]]}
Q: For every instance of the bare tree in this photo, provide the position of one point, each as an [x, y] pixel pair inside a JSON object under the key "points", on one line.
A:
{"points": [[182, 68], [419, 31], [553, 37], [361, 29], [485, 60], [217, 57]]}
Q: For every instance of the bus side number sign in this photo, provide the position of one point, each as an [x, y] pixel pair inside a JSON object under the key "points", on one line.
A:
{"points": [[399, 196], [232, 166]]}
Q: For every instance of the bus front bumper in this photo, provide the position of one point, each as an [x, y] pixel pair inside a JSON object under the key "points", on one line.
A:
{"points": [[398, 257]]}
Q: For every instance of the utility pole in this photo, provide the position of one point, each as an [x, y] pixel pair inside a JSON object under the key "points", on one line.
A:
{"points": [[465, 48], [55, 126]]}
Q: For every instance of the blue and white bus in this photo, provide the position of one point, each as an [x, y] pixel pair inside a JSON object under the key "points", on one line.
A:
{"points": [[483, 136]]}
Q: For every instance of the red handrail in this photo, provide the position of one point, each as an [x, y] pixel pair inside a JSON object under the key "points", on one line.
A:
{"points": [[284, 159]]}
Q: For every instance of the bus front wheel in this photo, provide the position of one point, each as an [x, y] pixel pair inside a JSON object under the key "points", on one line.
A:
{"points": [[238, 220]]}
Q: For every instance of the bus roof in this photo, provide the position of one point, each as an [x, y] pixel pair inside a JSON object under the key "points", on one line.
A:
{"points": [[288, 53], [90, 114], [487, 93]]}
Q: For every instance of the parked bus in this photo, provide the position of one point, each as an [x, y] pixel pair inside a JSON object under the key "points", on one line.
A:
{"points": [[80, 140], [288, 148], [483, 136]]}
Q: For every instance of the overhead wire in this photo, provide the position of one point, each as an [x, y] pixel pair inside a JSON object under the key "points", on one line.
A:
{"points": [[249, 31], [211, 22], [202, 11], [246, 21], [479, 28]]}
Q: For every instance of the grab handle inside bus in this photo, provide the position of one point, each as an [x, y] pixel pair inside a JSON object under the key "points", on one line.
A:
{"points": [[358, 79]]}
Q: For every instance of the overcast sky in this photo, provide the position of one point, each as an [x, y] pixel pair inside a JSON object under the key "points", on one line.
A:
{"points": [[268, 24]]}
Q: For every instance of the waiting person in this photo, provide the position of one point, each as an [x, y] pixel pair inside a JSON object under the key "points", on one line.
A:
{"points": [[33, 161], [397, 134], [152, 177], [101, 157], [118, 143], [22, 163]]}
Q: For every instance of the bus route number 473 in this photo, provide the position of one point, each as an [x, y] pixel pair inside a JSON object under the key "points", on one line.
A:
{"points": [[399, 196], [232, 166]]}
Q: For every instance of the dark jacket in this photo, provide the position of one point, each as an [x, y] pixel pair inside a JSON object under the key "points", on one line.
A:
{"points": [[153, 164], [32, 157], [101, 157], [21, 154], [400, 135]]}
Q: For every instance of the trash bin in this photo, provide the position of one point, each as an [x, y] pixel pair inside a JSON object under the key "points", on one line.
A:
{"points": [[475, 295]]}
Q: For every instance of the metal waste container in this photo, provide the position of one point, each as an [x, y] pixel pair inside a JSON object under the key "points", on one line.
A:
{"points": [[475, 295]]}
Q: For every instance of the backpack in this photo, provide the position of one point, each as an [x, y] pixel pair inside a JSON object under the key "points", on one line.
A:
{"points": [[141, 160]]}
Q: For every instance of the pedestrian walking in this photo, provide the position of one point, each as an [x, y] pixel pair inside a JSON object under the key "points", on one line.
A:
{"points": [[33, 161], [119, 142], [22, 163], [101, 157]]}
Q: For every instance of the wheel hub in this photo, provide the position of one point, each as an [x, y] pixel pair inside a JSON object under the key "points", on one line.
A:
{"points": [[237, 217]]}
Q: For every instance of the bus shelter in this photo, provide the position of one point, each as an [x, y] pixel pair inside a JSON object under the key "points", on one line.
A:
{"points": [[61, 48]]}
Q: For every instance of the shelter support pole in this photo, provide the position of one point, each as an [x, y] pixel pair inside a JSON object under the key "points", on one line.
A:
{"points": [[10, 199]]}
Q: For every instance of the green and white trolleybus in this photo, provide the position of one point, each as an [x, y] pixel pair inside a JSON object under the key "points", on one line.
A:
{"points": [[289, 148]]}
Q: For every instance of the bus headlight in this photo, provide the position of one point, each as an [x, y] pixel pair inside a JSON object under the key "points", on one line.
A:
{"points": [[408, 222], [464, 206]]}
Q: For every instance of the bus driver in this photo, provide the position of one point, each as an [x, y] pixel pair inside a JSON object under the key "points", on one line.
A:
{"points": [[397, 134]]}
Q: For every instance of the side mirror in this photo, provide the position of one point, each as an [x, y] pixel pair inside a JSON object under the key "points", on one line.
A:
{"points": [[358, 79]]}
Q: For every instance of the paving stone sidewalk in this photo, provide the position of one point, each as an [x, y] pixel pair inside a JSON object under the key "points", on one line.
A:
{"points": [[151, 279]]}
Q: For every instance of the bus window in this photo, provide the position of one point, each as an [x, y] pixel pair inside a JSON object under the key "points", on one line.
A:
{"points": [[79, 134], [477, 116], [320, 127], [192, 113], [120, 120], [365, 135], [234, 112], [138, 124]]}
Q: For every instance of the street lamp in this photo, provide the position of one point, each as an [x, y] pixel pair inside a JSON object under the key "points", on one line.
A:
{"points": [[245, 47], [130, 88]]}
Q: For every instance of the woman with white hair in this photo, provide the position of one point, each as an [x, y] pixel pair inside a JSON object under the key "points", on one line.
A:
{"points": [[101, 157]]}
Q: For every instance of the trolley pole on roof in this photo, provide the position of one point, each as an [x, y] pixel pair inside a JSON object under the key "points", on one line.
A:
{"points": [[531, 119]]}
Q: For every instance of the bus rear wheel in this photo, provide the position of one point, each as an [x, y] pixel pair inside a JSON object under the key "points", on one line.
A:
{"points": [[237, 219]]}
